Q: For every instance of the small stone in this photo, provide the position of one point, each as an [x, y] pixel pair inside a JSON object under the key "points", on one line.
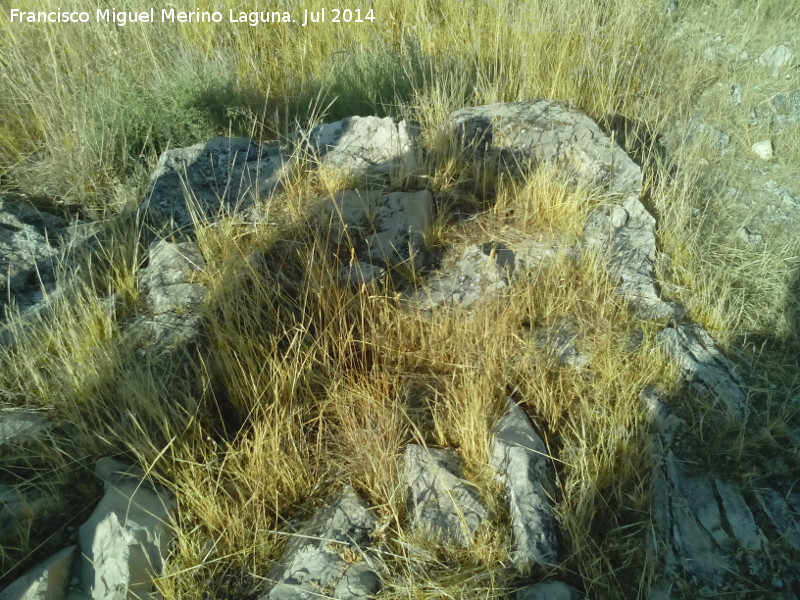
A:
{"points": [[737, 91], [751, 237], [763, 149], [776, 58]]}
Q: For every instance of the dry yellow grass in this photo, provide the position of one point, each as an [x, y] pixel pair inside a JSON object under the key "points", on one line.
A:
{"points": [[306, 385]]}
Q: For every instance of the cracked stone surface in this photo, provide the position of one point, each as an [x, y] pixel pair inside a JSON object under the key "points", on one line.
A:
{"points": [[520, 136], [46, 581], [172, 297], [520, 460], [384, 229], [705, 367], [211, 179], [443, 506], [708, 529], [365, 145], [319, 561], [124, 541]]}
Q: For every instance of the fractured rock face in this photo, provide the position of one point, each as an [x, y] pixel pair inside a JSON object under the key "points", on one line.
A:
{"points": [[709, 533], [28, 254], [520, 136], [172, 297], [705, 367], [365, 144], [475, 275], [319, 562], [18, 425], [443, 506], [520, 461], [46, 581], [210, 179], [125, 539], [482, 270], [384, 229]]}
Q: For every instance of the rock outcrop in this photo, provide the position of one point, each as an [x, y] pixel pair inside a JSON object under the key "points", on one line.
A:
{"points": [[330, 557], [48, 580], [521, 463], [443, 506], [172, 298], [707, 526], [124, 541], [207, 181], [521, 136]]}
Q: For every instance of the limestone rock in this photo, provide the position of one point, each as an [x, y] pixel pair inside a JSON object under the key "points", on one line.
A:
{"points": [[483, 269], [218, 177], [775, 507], [172, 297], [320, 560], [17, 425], [707, 533], [365, 145], [519, 136], [763, 149], [360, 273], [519, 459], [46, 581], [776, 58], [383, 228], [562, 339], [125, 539], [552, 590], [705, 367], [443, 506], [476, 274], [28, 253]]}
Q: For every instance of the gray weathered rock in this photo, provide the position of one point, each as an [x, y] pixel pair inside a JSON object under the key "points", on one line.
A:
{"points": [[28, 253], [705, 367], [520, 460], [17, 425], [319, 561], [519, 136], [707, 533], [740, 517], [360, 273], [443, 506], [562, 339], [776, 58], [763, 149], [776, 509], [483, 269], [552, 590], [475, 275], [125, 539], [172, 297], [206, 180], [46, 581], [365, 145], [383, 228]]}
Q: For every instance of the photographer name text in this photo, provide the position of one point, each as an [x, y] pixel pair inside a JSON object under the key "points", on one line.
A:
{"points": [[122, 18]]}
